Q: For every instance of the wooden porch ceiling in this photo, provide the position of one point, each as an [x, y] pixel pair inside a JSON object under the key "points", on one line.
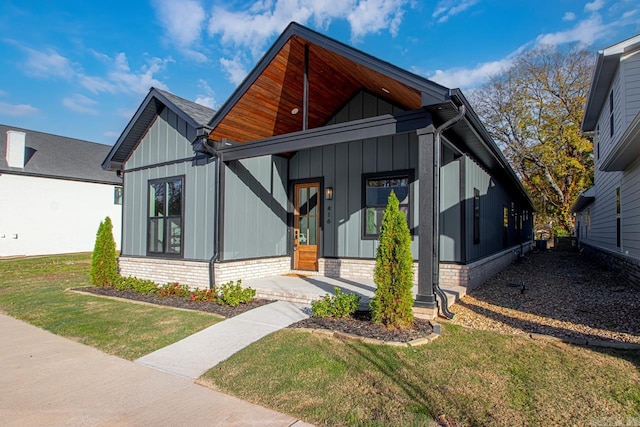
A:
{"points": [[265, 109]]}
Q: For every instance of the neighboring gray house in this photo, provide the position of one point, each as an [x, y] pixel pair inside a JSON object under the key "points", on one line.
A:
{"points": [[608, 214], [53, 193], [293, 173]]}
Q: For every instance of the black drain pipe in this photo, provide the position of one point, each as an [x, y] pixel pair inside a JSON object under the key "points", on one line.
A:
{"points": [[436, 209]]}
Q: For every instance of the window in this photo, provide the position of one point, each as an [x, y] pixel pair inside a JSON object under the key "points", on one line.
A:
{"points": [[164, 231], [611, 114], [505, 226], [476, 216], [596, 140], [375, 194], [117, 195], [618, 230], [589, 219]]}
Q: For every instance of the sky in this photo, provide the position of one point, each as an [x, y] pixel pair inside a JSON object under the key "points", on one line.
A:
{"points": [[81, 68]]}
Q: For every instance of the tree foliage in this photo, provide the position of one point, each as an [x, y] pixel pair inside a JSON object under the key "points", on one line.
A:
{"points": [[533, 110], [392, 304], [104, 267]]}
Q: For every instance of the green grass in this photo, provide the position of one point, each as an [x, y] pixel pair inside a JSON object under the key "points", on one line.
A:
{"points": [[466, 376], [33, 290]]}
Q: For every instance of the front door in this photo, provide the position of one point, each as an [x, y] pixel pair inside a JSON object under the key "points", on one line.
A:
{"points": [[306, 226]]}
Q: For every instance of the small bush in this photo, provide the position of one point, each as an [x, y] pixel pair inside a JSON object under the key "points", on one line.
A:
{"points": [[233, 294], [104, 267], [141, 286], [392, 304], [174, 289], [336, 306], [205, 295]]}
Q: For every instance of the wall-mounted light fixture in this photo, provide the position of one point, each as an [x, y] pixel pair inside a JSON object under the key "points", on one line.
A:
{"points": [[328, 193]]}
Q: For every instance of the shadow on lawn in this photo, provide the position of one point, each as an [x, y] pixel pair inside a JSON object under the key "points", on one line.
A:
{"points": [[564, 286]]}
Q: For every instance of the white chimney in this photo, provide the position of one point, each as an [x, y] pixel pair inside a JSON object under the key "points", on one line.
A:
{"points": [[15, 149]]}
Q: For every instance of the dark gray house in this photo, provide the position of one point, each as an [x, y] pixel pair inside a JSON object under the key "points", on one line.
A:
{"points": [[293, 173]]}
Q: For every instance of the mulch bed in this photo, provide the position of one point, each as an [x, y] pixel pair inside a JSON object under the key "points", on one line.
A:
{"points": [[360, 324], [178, 302]]}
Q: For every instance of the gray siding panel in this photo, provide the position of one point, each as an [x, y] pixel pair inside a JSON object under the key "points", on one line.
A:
{"points": [[255, 208], [450, 232], [199, 207]]}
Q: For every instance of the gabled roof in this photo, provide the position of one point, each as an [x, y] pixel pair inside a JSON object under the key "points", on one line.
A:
{"points": [[336, 72], [54, 156], [606, 65], [196, 116], [270, 101]]}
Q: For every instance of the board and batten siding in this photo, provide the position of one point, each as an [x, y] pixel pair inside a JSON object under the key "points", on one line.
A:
{"points": [[167, 141], [493, 199], [342, 166], [255, 208]]}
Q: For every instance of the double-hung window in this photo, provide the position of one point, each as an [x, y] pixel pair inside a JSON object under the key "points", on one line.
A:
{"points": [[376, 191], [164, 228]]}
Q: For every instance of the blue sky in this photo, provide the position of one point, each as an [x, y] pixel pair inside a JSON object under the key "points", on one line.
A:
{"points": [[81, 68]]}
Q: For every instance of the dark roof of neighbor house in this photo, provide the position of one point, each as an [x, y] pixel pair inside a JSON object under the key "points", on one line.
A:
{"points": [[55, 156], [606, 65], [263, 105], [196, 116]]}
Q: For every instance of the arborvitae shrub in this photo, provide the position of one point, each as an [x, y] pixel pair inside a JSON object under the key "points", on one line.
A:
{"points": [[392, 304], [104, 267]]}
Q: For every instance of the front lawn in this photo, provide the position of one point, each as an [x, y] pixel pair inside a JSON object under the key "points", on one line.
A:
{"points": [[465, 377], [33, 290]]}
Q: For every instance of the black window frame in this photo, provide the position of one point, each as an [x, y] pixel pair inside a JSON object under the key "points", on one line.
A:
{"points": [[476, 216], [118, 195], [165, 227], [611, 117], [404, 173], [618, 225]]}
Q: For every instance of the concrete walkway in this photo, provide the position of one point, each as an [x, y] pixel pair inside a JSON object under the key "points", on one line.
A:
{"points": [[50, 380], [196, 354]]}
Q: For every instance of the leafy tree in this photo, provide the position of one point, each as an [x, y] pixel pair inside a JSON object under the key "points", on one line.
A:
{"points": [[533, 110], [392, 304], [104, 267]]}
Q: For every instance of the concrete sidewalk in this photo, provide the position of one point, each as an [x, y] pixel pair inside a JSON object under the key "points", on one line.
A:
{"points": [[196, 354], [49, 380]]}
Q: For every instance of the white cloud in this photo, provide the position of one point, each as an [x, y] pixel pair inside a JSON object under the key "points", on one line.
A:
{"points": [[594, 6], [206, 101], [47, 63], [584, 33], [121, 79], [234, 68], [80, 104], [15, 110], [183, 21], [465, 78], [264, 19], [445, 9], [569, 16], [371, 16], [112, 134]]}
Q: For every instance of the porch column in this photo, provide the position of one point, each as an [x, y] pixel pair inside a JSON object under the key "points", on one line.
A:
{"points": [[425, 298]]}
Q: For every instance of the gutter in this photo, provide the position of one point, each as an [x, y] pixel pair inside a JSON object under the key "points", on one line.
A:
{"points": [[436, 209]]}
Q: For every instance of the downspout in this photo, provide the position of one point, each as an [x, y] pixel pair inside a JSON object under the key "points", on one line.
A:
{"points": [[201, 145], [436, 209]]}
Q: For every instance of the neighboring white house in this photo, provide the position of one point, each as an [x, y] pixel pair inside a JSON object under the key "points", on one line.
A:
{"points": [[608, 214], [53, 193]]}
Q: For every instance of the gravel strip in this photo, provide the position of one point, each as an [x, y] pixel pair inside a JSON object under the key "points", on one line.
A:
{"points": [[557, 293]]}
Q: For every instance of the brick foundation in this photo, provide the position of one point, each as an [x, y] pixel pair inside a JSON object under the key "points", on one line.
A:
{"points": [[627, 267], [251, 269], [161, 271]]}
